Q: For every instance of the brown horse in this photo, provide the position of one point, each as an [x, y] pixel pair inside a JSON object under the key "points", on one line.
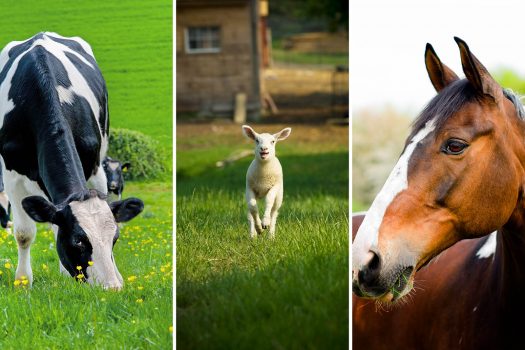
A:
{"points": [[460, 178]]}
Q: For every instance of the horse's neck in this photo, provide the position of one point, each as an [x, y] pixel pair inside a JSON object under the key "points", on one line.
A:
{"points": [[509, 268]]}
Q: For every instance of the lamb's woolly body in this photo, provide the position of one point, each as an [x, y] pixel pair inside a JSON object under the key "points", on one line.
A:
{"points": [[264, 179], [261, 177]]}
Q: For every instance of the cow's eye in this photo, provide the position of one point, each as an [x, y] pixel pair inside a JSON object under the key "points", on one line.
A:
{"points": [[79, 244]]}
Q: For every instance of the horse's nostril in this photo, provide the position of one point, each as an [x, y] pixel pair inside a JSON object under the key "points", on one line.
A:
{"points": [[374, 262], [370, 271]]}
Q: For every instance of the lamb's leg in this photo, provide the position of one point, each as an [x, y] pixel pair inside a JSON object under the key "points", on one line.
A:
{"points": [[253, 213], [275, 212], [270, 201]]}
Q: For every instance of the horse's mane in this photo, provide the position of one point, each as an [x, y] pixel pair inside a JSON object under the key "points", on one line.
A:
{"points": [[451, 99]]}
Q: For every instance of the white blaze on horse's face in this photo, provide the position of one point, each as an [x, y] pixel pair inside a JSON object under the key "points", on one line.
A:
{"points": [[367, 236], [96, 220]]}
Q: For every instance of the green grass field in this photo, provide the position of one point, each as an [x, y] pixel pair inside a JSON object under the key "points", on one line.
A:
{"points": [[132, 42], [238, 293]]}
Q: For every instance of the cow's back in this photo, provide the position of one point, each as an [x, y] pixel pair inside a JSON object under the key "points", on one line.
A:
{"points": [[51, 89]]}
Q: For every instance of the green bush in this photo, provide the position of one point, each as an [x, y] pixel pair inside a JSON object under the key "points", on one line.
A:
{"points": [[138, 149]]}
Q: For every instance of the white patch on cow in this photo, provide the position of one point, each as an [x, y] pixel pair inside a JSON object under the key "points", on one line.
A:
{"points": [[96, 219], [79, 40], [65, 95], [4, 200], [367, 235], [113, 165], [489, 248], [99, 181]]}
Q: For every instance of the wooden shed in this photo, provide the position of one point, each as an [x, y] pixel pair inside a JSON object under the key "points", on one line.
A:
{"points": [[218, 48]]}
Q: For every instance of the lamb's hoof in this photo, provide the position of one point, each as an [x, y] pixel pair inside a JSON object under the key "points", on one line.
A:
{"points": [[265, 223]]}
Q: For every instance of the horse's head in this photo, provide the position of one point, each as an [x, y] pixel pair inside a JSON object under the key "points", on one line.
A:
{"points": [[460, 176]]}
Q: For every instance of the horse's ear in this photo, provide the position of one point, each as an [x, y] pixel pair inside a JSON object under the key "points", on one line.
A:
{"points": [[477, 74], [440, 75]]}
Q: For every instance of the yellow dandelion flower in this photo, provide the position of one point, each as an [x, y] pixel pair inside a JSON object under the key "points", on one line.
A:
{"points": [[90, 263], [162, 269], [139, 300], [79, 268], [44, 266], [16, 283], [7, 265], [23, 277], [140, 287], [132, 278], [170, 328], [80, 276], [25, 282]]}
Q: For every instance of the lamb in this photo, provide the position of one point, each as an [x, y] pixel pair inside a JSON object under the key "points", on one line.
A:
{"points": [[264, 179]]}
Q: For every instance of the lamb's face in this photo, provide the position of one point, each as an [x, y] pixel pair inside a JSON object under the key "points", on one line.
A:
{"points": [[265, 143], [265, 146]]}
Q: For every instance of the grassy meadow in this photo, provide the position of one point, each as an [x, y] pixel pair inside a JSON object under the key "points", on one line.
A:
{"points": [[132, 42], [238, 293]]}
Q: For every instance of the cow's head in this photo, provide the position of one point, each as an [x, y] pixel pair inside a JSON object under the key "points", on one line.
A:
{"points": [[87, 232], [114, 170]]}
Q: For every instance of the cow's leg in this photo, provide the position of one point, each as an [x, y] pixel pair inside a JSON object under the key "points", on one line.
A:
{"points": [[24, 228], [99, 181]]}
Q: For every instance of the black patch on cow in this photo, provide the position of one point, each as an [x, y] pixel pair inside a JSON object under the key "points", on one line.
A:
{"points": [[73, 246]]}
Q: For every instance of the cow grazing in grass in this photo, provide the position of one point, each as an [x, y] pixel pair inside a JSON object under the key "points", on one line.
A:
{"points": [[53, 136], [114, 170]]}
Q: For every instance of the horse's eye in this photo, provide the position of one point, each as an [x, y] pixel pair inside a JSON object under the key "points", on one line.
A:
{"points": [[454, 147]]}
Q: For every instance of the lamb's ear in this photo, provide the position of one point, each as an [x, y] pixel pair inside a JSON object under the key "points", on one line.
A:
{"points": [[477, 74], [440, 75], [283, 134], [39, 209], [249, 132]]}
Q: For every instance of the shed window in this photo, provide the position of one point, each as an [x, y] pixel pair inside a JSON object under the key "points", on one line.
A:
{"points": [[203, 39]]}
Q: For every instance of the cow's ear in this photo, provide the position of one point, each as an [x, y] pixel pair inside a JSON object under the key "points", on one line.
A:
{"points": [[40, 209], [126, 209], [125, 167]]}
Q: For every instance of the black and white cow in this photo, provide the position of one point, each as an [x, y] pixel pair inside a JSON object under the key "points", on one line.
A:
{"points": [[53, 136], [114, 170]]}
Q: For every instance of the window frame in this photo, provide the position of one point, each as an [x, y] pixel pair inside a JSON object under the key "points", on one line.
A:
{"points": [[190, 50]]}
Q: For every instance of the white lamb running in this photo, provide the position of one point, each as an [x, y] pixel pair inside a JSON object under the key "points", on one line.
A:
{"points": [[264, 179]]}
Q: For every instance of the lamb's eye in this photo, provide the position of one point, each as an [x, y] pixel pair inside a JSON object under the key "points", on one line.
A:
{"points": [[454, 147], [273, 142], [257, 141]]}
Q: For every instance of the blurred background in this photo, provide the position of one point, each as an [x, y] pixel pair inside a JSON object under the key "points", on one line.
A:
{"points": [[390, 85], [270, 64]]}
